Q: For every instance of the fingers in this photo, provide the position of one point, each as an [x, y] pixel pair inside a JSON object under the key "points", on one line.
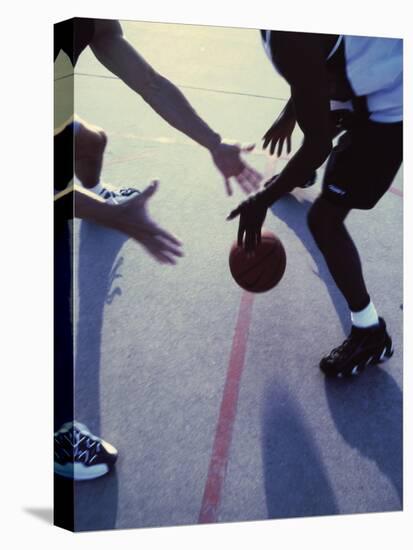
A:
{"points": [[258, 237], [267, 140], [243, 183], [234, 213], [250, 242], [149, 191], [228, 187], [289, 144], [162, 251], [241, 231], [273, 145], [253, 177], [169, 237], [280, 147], [249, 180]]}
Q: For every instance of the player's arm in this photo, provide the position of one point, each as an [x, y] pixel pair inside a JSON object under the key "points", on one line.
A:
{"points": [[120, 57], [281, 130], [301, 60], [132, 219]]}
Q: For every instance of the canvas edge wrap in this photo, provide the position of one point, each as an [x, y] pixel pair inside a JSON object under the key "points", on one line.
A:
{"points": [[63, 155]]}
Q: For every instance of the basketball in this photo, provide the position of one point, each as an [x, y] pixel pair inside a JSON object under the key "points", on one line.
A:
{"points": [[262, 271]]}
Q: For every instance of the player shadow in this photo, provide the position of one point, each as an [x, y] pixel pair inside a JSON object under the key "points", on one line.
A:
{"points": [[293, 212], [98, 287], [296, 484], [368, 412]]}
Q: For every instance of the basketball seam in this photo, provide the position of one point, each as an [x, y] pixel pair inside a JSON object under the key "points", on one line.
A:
{"points": [[268, 279], [262, 259]]}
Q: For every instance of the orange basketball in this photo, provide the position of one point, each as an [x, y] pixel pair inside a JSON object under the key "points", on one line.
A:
{"points": [[263, 270]]}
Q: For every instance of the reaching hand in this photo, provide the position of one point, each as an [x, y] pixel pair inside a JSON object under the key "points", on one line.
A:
{"points": [[279, 133], [252, 214], [227, 159], [133, 219]]}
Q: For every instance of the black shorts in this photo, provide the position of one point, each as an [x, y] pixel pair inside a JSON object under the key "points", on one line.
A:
{"points": [[363, 164]]}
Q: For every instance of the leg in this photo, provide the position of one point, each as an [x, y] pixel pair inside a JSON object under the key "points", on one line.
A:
{"points": [[364, 345], [78, 454], [90, 143], [326, 223]]}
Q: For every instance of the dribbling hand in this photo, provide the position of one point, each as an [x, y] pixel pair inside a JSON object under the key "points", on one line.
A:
{"points": [[251, 214]]}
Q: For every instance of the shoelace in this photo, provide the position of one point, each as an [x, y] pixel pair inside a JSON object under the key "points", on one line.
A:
{"points": [[83, 448], [126, 192], [339, 350]]}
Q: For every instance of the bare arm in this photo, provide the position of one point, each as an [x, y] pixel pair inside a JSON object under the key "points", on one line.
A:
{"points": [[119, 57], [131, 218], [301, 61]]}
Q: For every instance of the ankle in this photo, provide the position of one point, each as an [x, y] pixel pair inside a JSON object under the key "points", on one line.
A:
{"points": [[365, 318]]}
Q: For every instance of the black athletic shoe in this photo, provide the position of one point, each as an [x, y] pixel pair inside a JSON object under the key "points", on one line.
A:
{"points": [[364, 346], [311, 181], [80, 455]]}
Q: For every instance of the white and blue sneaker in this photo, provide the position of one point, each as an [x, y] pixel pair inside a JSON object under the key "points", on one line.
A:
{"points": [[112, 195], [80, 455]]}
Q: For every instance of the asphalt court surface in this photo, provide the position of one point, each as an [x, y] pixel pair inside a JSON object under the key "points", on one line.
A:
{"points": [[213, 396]]}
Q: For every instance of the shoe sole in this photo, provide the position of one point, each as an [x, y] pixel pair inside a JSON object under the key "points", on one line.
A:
{"points": [[80, 472]]}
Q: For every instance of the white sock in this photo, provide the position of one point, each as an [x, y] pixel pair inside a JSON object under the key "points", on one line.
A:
{"points": [[365, 318]]}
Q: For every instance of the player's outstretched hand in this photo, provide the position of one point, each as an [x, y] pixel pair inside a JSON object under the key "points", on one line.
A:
{"points": [[132, 218], [251, 214], [280, 133], [227, 159]]}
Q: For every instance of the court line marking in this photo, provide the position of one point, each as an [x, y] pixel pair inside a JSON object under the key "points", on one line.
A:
{"points": [[396, 191], [211, 499], [226, 419], [185, 86], [223, 435]]}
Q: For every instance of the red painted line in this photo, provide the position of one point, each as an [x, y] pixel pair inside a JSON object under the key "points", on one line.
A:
{"points": [[396, 191], [223, 434]]}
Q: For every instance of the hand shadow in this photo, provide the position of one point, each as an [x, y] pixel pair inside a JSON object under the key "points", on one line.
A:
{"points": [[296, 484]]}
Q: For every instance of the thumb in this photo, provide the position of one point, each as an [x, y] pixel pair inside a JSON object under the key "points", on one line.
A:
{"points": [[149, 190]]}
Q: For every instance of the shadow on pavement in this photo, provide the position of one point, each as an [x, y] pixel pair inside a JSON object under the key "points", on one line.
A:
{"points": [[293, 213], [367, 411], [98, 266], [96, 501], [296, 484]]}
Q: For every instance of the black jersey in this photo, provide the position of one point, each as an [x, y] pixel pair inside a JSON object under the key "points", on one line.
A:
{"points": [[73, 36], [333, 45], [366, 70]]}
